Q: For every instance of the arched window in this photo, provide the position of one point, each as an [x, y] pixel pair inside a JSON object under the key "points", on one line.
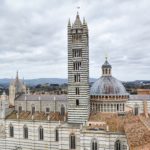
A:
{"points": [[72, 141], [77, 102], [123, 107], [117, 107], [33, 109], [117, 145], [96, 107], [136, 110], [62, 112], [47, 109], [56, 135], [106, 71], [94, 145], [25, 132], [20, 109], [103, 71], [77, 91], [11, 130], [41, 133]]}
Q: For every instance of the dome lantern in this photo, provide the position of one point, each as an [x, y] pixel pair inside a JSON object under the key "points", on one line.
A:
{"points": [[106, 68]]}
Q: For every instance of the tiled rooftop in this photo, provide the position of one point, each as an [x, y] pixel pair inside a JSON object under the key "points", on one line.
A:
{"points": [[136, 128], [114, 122], [137, 132], [37, 116]]}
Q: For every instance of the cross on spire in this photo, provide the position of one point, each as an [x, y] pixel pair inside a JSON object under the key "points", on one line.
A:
{"points": [[78, 7], [106, 55]]}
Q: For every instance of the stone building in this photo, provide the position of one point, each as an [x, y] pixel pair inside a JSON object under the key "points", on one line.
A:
{"points": [[104, 117]]}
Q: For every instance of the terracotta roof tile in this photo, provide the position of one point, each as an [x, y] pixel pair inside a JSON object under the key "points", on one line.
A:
{"points": [[37, 116], [136, 131]]}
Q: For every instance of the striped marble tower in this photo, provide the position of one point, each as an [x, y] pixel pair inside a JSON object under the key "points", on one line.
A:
{"points": [[78, 71]]}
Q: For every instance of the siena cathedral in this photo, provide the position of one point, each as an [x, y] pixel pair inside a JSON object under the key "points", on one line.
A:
{"points": [[101, 117]]}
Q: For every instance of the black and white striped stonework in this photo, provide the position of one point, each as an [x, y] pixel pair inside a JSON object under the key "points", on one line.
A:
{"points": [[78, 77]]}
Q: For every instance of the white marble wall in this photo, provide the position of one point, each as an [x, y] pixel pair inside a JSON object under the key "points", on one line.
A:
{"points": [[105, 139]]}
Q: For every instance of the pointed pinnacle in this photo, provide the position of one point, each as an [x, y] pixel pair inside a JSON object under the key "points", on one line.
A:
{"points": [[17, 76], [84, 21], [69, 24]]}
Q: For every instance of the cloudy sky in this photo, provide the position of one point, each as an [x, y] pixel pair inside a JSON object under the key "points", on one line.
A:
{"points": [[33, 37]]}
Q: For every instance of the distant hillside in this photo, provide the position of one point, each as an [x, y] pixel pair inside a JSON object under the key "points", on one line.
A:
{"points": [[4, 82], [33, 82]]}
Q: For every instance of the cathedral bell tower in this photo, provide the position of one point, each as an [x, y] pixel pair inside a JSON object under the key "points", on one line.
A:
{"points": [[78, 71]]}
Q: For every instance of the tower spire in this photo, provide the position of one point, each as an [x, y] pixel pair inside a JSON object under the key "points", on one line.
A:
{"points": [[77, 24], [69, 24], [85, 24], [17, 76], [84, 21], [23, 80]]}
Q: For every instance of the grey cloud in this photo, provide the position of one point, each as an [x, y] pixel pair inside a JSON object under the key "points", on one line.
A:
{"points": [[33, 36]]}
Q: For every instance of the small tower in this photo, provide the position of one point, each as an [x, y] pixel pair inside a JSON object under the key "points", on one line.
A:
{"points": [[16, 87], [78, 71], [106, 68]]}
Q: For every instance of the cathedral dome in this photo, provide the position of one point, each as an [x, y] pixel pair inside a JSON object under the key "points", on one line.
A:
{"points": [[107, 84]]}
